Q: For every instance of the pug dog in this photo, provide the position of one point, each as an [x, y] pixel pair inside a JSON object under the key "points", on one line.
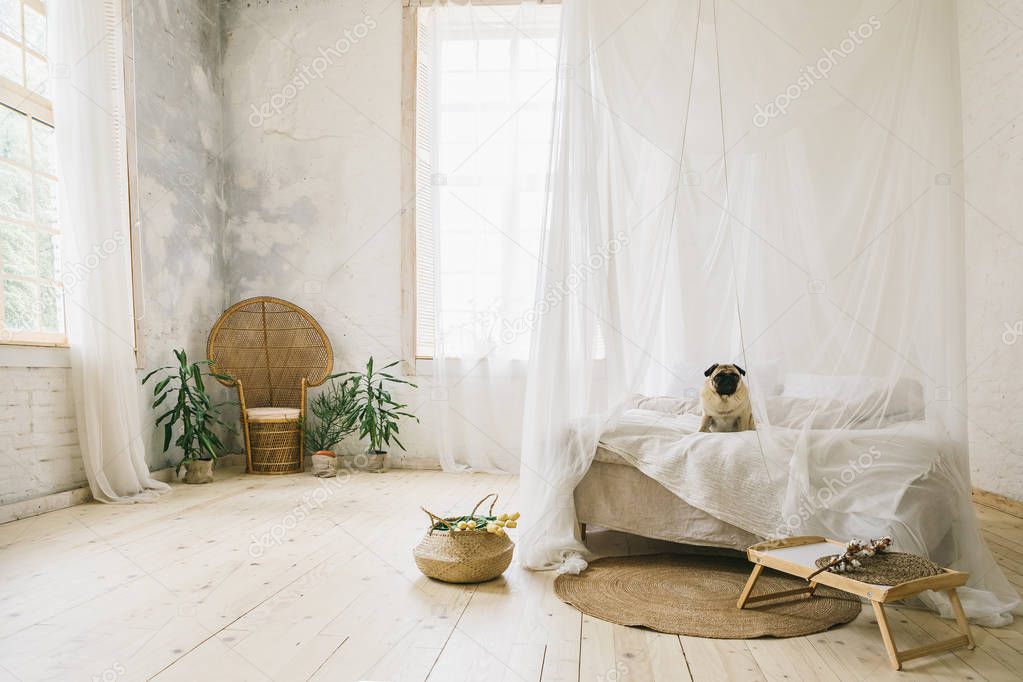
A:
{"points": [[725, 399]]}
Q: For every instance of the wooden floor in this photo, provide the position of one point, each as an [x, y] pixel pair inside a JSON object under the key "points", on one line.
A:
{"points": [[291, 578]]}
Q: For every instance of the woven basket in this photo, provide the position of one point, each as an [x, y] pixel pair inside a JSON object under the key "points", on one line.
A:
{"points": [[465, 556]]}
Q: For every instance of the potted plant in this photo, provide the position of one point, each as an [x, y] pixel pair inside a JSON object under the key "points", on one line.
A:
{"points": [[193, 413], [333, 418], [374, 412]]}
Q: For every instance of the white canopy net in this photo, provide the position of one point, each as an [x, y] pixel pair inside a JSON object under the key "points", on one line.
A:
{"points": [[772, 185]]}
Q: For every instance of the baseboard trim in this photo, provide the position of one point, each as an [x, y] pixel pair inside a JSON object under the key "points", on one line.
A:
{"points": [[163, 475], [46, 503], [998, 502], [168, 475], [235, 459], [416, 465]]}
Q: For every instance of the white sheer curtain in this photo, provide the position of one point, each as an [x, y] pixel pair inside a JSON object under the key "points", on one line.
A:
{"points": [[621, 108], [778, 176], [486, 87], [86, 36]]}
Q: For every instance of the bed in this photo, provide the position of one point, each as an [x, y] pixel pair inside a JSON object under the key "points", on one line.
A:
{"points": [[653, 474]]}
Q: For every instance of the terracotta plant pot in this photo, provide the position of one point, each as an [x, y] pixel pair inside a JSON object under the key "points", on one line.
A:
{"points": [[324, 463], [199, 471]]}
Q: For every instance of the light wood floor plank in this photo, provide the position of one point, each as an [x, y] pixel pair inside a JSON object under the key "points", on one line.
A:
{"points": [[794, 658], [614, 652], [292, 578], [721, 659], [563, 625]]}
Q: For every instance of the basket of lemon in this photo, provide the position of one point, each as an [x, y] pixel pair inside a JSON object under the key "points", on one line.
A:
{"points": [[467, 549]]}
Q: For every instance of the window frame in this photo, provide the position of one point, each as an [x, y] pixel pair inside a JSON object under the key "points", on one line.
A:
{"points": [[25, 101], [36, 106], [409, 71], [134, 190]]}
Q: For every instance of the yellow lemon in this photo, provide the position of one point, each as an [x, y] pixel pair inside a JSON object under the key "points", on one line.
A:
{"points": [[502, 517], [511, 524], [515, 516]]}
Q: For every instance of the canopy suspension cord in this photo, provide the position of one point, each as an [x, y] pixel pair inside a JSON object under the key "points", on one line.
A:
{"points": [[725, 217], [682, 152]]}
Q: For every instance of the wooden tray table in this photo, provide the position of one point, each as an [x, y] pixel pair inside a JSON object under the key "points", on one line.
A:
{"points": [[797, 556]]}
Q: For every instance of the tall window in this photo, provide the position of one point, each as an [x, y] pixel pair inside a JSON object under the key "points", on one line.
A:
{"points": [[484, 98], [31, 300]]}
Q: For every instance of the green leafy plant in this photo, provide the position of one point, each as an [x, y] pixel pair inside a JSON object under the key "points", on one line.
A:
{"points": [[333, 416], [193, 412], [374, 411]]}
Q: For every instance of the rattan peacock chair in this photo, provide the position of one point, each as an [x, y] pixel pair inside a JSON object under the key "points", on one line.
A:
{"points": [[275, 351]]}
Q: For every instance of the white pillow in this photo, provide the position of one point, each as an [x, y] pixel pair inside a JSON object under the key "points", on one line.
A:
{"points": [[686, 380], [904, 397], [762, 378], [848, 389]]}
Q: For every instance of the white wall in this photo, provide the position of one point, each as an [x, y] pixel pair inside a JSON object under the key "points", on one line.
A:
{"points": [[38, 442], [991, 57]]}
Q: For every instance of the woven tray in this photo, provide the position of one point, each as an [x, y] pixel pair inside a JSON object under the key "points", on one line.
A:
{"points": [[889, 568]]}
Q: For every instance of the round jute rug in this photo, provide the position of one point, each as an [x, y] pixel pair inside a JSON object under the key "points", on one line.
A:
{"points": [[696, 595]]}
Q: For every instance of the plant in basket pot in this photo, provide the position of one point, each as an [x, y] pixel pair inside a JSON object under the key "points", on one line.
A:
{"points": [[374, 412], [191, 412], [333, 418]]}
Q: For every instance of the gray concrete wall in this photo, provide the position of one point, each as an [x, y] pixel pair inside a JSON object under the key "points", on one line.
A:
{"points": [[178, 89], [312, 110]]}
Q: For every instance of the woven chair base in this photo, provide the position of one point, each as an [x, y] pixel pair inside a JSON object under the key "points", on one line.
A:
{"points": [[276, 447]]}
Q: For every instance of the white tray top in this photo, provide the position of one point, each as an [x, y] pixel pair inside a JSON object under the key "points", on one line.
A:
{"points": [[807, 555]]}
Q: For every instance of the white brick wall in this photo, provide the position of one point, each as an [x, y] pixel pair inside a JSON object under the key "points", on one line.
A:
{"points": [[38, 443], [991, 64]]}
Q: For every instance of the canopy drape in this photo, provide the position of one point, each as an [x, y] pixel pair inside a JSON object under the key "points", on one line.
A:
{"points": [[96, 257], [772, 185]]}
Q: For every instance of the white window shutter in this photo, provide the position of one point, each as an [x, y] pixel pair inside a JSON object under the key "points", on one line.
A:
{"points": [[426, 251]]}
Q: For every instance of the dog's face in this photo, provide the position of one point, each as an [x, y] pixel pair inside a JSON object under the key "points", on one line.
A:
{"points": [[725, 378]]}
